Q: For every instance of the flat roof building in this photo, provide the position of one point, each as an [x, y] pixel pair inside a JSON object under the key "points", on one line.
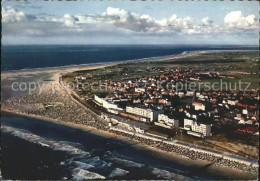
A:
{"points": [[145, 112], [194, 126]]}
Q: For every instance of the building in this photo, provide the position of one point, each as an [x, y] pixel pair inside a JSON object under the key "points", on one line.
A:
{"points": [[232, 102], [198, 106], [139, 89], [190, 93], [108, 104], [144, 112], [99, 100], [193, 126], [166, 122]]}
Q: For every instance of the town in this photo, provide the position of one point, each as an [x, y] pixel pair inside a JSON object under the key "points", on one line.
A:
{"points": [[157, 101]]}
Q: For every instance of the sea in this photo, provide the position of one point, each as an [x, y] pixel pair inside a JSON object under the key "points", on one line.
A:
{"points": [[35, 149], [20, 57]]}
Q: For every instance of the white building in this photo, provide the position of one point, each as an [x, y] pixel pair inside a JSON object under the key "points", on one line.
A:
{"points": [[197, 94], [198, 106], [190, 93], [139, 89], [165, 121], [108, 104], [148, 113], [247, 112], [232, 102], [98, 99], [241, 121], [192, 125]]}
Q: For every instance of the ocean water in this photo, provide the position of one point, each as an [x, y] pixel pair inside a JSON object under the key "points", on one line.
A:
{"points": [[34, 149], [41, 56]]}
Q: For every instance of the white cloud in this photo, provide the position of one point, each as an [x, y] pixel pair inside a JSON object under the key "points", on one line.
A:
{"points": [[206, 21], [116, 21], [122, 14], [69, 20], [235, 19], [10, 15], [145, 23]]}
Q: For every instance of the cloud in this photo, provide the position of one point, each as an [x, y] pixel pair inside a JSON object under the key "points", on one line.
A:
{"points": [[70, 21], [145, 24], [116, 22], [235, 19], [11, 15], [206, 21]]}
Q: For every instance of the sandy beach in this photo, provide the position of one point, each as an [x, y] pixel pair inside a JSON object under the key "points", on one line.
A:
{"points": [[51, 77]]}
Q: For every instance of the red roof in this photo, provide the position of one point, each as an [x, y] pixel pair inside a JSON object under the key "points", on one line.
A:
{"points": [[246, 131], [197, 103]]}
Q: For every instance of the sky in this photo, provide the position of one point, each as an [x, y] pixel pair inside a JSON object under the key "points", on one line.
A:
{"points": [[130, 22]]}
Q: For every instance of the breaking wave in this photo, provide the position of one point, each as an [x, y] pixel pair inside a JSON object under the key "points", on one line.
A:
{"points": [[65, 146], [78, 168], [168, 175], [126, 163], [118, 172], [84, 165], [81, 174]]}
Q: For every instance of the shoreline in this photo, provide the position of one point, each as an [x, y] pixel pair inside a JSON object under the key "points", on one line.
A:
{"points": [[55, 74], [187, 162], [104, 64]]}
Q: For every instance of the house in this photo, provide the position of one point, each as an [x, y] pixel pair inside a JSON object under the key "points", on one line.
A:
{"points": [[198, 106], [247, 112], [189, 93], [232, 102], [250, 122], [139, 90], [242, 121], [181, 94]]}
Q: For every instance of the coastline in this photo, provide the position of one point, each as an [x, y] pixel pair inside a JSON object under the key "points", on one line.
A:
{"points": [[176, 158], [76, 67], [55, 74]]}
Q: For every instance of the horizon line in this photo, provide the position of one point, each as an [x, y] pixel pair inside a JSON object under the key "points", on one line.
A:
{"points": [[255, 45]]}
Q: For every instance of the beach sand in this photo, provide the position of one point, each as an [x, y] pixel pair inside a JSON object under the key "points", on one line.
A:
{"points": [[42, 77]]}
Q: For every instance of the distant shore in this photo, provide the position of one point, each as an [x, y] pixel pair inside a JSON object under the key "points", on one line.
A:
{"points": [[76, 67]]}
